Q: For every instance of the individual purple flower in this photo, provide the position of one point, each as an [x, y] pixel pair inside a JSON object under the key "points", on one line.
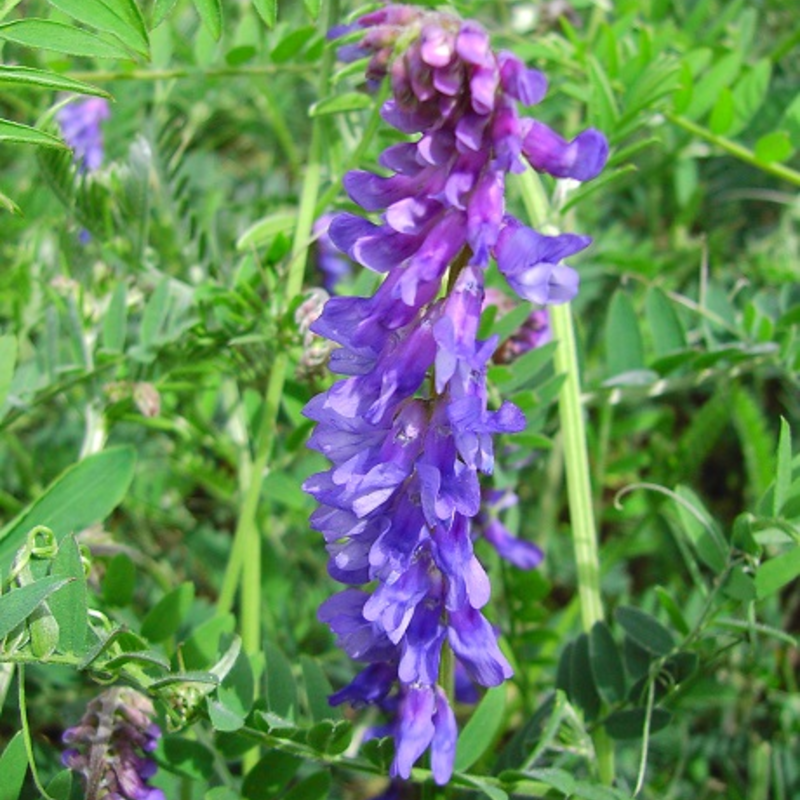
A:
{"points": [[330, 262], [80, 126], [520, 553], [408, 427], [109, 747]]}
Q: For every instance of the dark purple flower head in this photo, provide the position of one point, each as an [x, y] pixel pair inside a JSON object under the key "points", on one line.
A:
{"points": [[408, 427], [110, 743], [80, 127]]}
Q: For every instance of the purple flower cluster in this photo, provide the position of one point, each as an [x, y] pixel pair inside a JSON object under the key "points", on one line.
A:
{"points": [[80, 127], [109, 746], [408, 428]]}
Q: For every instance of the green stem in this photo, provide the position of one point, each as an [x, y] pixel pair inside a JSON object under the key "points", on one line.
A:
{"points": [[576, 462], [98, 76], [735, 149], [26, 732], [579, 491], [577, 468]]}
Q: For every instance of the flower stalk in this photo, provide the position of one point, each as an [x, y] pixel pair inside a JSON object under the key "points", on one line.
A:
{"points": [[576, 460]]}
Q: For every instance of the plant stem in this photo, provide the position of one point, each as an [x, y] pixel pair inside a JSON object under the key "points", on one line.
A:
{"points": [[576, 461], [579, 492], [577, 468], [26, 733], [98, 76], [735, 149]]}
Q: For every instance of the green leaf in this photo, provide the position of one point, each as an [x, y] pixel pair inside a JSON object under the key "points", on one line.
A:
{"points": [[557, 778], [292, 43], [582, 688], [740, 586], [13, 766], [707, 90], [281, 687], [155, 315], [665, 325], [85, 493], [749, 94], [313, 7], [791, 121], [236, 691], [161, 9], [783, 476], [266, 779], [186, 757], [314, 787], [221, 793], [338, 104], [564, 669], [329, 736], [8, 360], [210, 12], [69, 605], [487, 789], [624, 350], [645, 630], [17, 133], [223, 717], [702, 530], [483, 726], [60, 788], [777, 572], [9, 205], [266, 229], [201, 648], [121, 18], [606, 664], [268, 11], [142, 658], [775, 146], [45, 34], [722, 114], [673, 611], [115, 320], [42, 79], [603, 108], [164, 619], [629, 724], [119, 582], [318, 689], [17, 605], [637, 659]]}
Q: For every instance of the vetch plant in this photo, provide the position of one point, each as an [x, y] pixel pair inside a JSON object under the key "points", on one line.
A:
{"points": [[408, 429]]}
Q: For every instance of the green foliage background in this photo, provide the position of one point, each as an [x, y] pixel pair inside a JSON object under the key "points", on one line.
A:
{"points": [[137, 419]]}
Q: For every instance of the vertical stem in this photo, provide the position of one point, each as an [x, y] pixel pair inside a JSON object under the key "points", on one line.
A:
{"points": [[579, 491], [576, 463]]}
